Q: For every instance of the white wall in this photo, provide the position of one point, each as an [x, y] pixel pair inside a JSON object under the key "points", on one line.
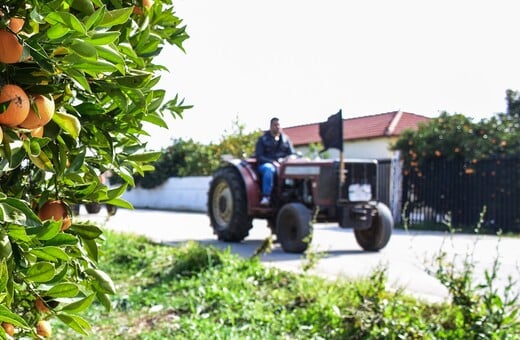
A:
{"points": [[376, 148], [177, 193]]}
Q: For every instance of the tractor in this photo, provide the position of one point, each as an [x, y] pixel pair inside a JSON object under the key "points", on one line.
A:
{"points": [[305, 192]]}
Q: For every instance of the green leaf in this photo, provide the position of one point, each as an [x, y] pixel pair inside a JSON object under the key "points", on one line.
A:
{"points": [[68, 123], [84, 6], [133, 81], [63, 290], [40, 272], [117, 192], [78, 77], [103, 38], [42, 161], [84, 49], [110, 54], [75, 322], [95, 67], [23, 207], [67, 20], [116, 17], [145, 157], [57, 31], [156, 120], [17, 232], [40, 57], [80, 305], [105, 301], [50, 253], [62, 239], [77, 162], [102, 278], [60, 276], [49, 230], [4, 275], [119, 202], [91, 248], [87, 231], [7, 316], [96, 17]]}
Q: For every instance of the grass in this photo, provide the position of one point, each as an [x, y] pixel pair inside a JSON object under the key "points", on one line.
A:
{"points": [[200, 292]]}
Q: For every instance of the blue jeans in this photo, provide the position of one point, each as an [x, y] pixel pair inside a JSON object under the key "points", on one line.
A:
{"points": [[267, 172]]}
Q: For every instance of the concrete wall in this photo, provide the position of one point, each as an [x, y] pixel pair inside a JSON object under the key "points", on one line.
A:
{"points": [[375, 148], [177, 193]]}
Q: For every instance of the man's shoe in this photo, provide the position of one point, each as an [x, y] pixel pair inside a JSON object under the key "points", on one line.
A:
{"points": [[265, 201]]}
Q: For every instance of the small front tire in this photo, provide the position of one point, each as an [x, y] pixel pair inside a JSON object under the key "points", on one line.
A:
{"points": [[293, 226], [377, 236]]}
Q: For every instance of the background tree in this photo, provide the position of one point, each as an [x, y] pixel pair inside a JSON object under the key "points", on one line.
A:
{"points": [[92, 62], [190, 158], [470, 152]]}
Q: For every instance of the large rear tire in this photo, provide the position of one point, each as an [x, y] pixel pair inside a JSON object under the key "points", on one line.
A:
{"points": [[377, 236], [227, 205], [293, 225], [93, 208]]}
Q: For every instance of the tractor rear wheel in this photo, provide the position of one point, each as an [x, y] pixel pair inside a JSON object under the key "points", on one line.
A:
{"points": [[377, 236], [227, 205], [93, 208], [293, 225]]}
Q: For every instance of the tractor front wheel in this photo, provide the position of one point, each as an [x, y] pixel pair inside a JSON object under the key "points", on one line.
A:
{"points": [[111, 209], [377, 236], [293, 226], [227, 205]]}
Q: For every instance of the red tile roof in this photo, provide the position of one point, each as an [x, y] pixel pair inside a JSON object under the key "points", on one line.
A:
{"points": [[380, 125]]}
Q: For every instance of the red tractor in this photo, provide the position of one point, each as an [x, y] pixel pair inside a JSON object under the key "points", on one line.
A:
{"points": [[305, 192]]}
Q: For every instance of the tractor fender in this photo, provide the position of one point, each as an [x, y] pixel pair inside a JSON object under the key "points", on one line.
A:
{"points": [[251, 181]]}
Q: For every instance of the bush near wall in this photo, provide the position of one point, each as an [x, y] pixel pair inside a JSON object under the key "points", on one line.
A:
{"points": [[190, 158]]}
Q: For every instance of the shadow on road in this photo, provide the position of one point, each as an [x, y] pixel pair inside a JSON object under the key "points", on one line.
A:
{"points": [[247, 249]]}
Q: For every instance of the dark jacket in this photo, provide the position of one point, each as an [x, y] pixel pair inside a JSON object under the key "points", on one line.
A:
{"points": [[268, 149]]}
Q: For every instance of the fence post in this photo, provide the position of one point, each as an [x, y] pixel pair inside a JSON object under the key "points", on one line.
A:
{"points": [[396, 187]]}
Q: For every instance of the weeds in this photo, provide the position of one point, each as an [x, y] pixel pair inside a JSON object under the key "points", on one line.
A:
{"points": [[195, 291], [480, 311]]}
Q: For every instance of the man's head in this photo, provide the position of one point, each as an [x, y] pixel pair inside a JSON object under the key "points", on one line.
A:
{"points": [[275, 126]]}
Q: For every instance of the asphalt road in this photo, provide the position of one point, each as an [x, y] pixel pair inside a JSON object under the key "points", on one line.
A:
{"points": [[406, 258]]}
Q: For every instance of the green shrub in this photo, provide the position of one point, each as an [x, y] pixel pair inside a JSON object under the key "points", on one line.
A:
{"points": [[190, 158]]}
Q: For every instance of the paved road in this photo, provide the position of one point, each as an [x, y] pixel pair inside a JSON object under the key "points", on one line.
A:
{"points": [[406, 257]]}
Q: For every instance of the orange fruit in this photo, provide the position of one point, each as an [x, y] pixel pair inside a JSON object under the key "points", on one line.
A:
{"points": [[57, 211], [18, 108], [146, 4], [41, 306], [11, 50], [16, 24], [8, 328], [43, 328], [38, 132], [40, 112]]}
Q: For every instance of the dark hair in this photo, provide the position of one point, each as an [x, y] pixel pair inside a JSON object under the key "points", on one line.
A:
{"points": [[274, 119]]}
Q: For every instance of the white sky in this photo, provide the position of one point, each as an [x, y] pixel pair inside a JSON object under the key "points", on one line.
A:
{"points": [[303, 60]]}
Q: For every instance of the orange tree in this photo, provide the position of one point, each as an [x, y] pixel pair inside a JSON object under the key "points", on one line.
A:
{"points": [[85, 67]]}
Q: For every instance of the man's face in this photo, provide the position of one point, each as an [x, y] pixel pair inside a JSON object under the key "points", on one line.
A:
{"points": [[275, 128]]}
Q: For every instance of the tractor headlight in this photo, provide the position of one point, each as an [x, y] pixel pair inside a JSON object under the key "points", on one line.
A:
{"points": [[359, 192]]}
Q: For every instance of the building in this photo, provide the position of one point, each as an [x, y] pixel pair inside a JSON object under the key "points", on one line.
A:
{"points": [[364, 137]]}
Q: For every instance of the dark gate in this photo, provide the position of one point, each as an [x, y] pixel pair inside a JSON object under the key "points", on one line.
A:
{"points": [[384, 168], [461, 191]]}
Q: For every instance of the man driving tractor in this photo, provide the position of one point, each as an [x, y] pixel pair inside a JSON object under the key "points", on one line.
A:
{"points": [[272, 147]]}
